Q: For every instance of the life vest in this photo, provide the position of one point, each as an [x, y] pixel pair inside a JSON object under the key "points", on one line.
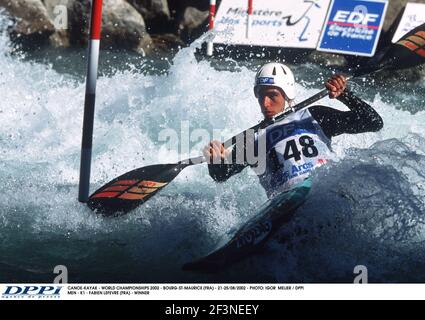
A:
{"points": [[295, 146]]}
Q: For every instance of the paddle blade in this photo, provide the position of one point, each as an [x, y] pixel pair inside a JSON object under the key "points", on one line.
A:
{"points": [[133, 188], [409, 51]]}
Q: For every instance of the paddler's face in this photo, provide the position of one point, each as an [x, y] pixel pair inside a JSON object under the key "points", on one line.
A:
{"points": [[271, 100]]}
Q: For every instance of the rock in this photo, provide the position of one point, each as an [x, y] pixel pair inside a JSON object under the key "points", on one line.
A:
{"points": [[152, 9], [193, 18], [193, 24], [326, 59], [166, 43], [33, 24], [155, 13], [122, 26], [177, 6]]}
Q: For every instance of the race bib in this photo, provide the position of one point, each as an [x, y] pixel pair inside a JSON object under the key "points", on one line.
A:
{"points": [[295, 147]]}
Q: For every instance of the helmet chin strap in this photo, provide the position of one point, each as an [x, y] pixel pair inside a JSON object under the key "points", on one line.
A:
{"points": [[287, 107]]}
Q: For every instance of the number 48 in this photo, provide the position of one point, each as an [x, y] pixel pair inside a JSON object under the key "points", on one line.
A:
{"points": [[308, 149]]}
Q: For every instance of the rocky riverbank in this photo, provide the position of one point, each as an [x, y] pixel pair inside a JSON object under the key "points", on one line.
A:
{"points": [[145, 26]]}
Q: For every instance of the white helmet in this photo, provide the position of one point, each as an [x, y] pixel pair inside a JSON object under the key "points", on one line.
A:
{"points": [[276, 75]]}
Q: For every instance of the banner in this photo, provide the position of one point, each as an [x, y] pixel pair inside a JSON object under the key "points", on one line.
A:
{"points": [[274, 23], [413, 16], [353, 27], [210, 291]]}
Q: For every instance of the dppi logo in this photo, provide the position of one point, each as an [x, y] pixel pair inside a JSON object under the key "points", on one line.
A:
{"points": [[38, 292]]}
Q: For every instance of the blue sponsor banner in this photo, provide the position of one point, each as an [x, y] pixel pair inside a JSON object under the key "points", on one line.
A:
{"points": [[353, 27]]}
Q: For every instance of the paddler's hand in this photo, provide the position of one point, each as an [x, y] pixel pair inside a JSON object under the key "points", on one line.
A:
{"points": [[336, 86], [215, 152]]}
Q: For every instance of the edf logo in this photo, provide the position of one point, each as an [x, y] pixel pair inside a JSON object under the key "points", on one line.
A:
{"points": [[355, 17], [14, 291], [353, 27], [265, 80]]}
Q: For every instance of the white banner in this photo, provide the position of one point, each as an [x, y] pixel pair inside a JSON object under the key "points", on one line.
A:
{"points": [[182, 291], [413, 16], [274, 23]]}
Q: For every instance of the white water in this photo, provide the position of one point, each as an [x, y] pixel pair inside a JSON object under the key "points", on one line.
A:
{"points": [[366, 208]]}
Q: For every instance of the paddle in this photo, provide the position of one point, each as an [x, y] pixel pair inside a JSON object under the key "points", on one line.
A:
{"points": [[133, 188]]}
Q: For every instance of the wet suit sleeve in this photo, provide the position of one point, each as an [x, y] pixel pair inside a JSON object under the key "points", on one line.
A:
{"points": [[361, 117], [222, 172]]}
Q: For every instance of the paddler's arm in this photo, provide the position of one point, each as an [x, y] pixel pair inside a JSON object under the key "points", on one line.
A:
{"points": [[361, 117], [220, 168]]}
